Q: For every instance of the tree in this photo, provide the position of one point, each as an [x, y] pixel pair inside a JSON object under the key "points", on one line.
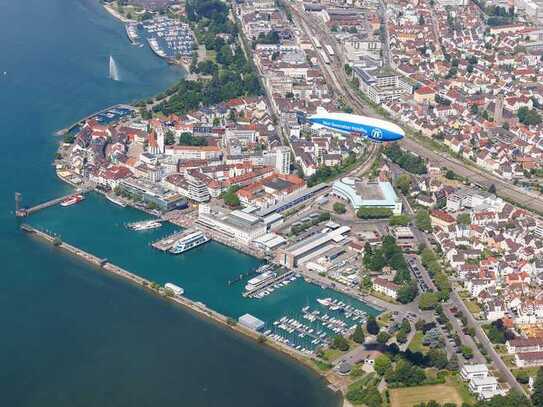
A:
{"points": [[537, 395], [374, 260], [422, 220], [339, 207], [512, 399], [464, 219], [358, 334], [453, 363], [467, 352], [382, 364], [474, 109], [373, 213], [399, 220], [522, 376], [169, 138], [427, 301], [529, 117], [437, 358], [405, 326], [340, 343], [69, 138], [497, 332], [407, 292], [403, 183], [401, 337], [371, 325], [231, 199], [383, 337]]}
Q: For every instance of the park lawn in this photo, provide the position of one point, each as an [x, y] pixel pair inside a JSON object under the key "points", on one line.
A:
{"points": [[416, 343], [462, 389], [384, 319], [383, 297], [411, 396], [332, 354], [509, 360]]}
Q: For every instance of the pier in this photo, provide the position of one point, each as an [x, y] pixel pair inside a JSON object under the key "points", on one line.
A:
{"points": [[279, 279], [168, 242], [21, 212], [241, 277]]}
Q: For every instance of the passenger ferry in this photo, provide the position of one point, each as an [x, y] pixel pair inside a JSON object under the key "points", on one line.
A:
{"points": [[72, 200], [188, 242], [145, 225], [260, 280]]}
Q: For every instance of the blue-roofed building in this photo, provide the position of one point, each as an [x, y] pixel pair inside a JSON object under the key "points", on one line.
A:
{"points": [[362, 194]]}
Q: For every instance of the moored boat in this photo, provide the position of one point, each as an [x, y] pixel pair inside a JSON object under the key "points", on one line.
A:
{"points": [[188, 242], [72, 200]]}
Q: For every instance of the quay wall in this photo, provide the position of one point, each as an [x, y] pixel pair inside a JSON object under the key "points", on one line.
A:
{"points": [[196, 307]]}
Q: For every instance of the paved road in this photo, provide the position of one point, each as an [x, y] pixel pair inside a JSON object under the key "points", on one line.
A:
{"points": [[483, 339]]}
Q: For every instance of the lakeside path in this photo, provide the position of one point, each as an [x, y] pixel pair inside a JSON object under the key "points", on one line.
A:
{"points": [[117, 15]]}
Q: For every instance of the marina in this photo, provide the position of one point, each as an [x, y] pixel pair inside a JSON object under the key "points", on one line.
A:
{"points": [[205, 274], [316, 325], [168, 38]]}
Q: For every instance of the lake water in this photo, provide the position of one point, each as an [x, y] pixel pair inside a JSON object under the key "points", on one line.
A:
{"points": [[72, 336]]}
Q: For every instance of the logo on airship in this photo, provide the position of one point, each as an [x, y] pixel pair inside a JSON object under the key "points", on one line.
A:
{"points": [[377, 134]]}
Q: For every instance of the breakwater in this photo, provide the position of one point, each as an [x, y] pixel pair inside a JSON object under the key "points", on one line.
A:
{"points": [[194, 306]]}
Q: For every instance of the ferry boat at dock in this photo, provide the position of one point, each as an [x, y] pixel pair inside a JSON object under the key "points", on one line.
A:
{"points": [[188, 242], [145, 225], [72, 200]]}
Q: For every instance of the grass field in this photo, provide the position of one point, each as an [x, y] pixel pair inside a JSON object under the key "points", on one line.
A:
{"points": [[410, 396]]}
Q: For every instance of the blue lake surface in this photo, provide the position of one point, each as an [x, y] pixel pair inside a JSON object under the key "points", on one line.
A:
{"points": [[72, 336]]}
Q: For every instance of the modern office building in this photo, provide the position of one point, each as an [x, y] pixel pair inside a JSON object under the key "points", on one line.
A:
{"points": [[152, 194], [237, 225], [367, 194], [381, 85]]}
